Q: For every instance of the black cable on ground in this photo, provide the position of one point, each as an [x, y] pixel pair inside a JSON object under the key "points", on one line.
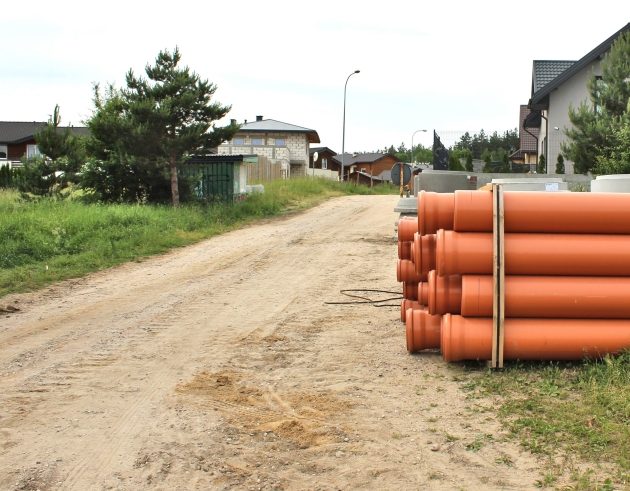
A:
{"points": [[365, 300]]}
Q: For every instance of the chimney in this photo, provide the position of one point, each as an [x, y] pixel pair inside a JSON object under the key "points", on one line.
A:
{"points": [[259, 118], [232, 122], [245, 122]]}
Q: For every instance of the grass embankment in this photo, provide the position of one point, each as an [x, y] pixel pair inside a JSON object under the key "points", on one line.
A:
{"points": [[576, 415], [51, 240]]}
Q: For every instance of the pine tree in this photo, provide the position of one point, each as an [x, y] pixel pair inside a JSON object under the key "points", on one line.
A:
{"points": [[542, 165], [51, 140], [560, 164], [596, 142], [487, 159], [156, 122], [64, 150], [469, 161]]}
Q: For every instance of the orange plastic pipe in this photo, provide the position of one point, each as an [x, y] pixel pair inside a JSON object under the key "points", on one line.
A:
{"points": [[435, 211], [407, 226], [470, 338], [406, 305], [404, 249], [406, 272], [422, 330], [541, 296], [423, 253], [590, 213], [423, 292], [410, 291], [531, 211], [445, 294], [534, 254]]}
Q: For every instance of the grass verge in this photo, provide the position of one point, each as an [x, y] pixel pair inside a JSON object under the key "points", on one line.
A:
{"points": [[576, 415], [51, 240]]}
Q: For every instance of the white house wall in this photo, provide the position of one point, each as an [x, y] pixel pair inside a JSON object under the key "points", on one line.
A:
{"points": [[570, 94]]}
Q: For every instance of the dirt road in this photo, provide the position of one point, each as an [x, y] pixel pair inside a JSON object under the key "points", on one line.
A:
{"points": [[220, 366]]}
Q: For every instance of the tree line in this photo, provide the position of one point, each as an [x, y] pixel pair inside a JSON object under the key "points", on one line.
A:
{"points": [[491, 148]]}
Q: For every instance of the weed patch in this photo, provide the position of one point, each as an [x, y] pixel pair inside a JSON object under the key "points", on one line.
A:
{"points": [[49, 240], [579, 412]]}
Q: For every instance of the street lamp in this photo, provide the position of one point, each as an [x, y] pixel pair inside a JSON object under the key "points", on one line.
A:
{"points": [[414, 134], [343, 138]]}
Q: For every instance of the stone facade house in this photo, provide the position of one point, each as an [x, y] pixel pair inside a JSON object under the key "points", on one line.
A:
{"points": [[279, 142]]}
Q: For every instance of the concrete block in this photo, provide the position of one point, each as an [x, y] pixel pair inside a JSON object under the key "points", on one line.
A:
{"points": [[619, 183]]}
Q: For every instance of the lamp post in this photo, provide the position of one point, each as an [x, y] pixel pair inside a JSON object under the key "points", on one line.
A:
{"points": [[414, 134], [343, 138]]}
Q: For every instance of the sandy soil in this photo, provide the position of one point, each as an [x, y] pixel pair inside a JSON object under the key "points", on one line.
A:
{"points": [[220, 366]]}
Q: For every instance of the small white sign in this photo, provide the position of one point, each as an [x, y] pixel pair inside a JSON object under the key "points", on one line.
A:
{"points": [[551, 186]]}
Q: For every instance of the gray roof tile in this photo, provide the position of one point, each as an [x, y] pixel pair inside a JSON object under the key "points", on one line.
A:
{"points": [[539, 94], [363, 158], [271, 125], [545, 71]]}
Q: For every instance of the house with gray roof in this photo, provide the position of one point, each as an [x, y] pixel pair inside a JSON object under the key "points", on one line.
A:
{"points": [[283, 143], [17, 139], [557, 86]]}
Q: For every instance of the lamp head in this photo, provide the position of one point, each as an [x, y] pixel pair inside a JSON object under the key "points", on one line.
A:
{"points": [[357, 71]]}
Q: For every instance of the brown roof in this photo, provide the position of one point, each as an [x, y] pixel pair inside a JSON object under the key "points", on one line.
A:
{"points": [[528, 143]]}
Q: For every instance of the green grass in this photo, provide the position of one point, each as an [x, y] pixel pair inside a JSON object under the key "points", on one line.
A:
{"points": [[572, 414], [51, 240]]}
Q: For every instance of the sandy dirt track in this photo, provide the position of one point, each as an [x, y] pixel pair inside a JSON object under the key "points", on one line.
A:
{"points": [[219, 366]]}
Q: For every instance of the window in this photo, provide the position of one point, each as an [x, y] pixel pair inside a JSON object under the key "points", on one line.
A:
{"points": [[32, 151], [3, 151], [238, 141], [257, 142], [324, 163], [280, 142]]}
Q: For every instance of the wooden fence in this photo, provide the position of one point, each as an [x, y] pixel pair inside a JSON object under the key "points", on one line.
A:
{"points": [[264, 171]]}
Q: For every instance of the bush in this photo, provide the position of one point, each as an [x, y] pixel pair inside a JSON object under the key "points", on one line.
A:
{"points": [[38, 178], [469, 162], [560, 164], [9, 177]]}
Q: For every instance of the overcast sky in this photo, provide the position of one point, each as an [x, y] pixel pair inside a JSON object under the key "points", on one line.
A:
{"points": [[450, 65]]}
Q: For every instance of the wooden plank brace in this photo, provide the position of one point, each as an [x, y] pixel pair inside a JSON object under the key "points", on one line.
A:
{"points": [[498, 277]]}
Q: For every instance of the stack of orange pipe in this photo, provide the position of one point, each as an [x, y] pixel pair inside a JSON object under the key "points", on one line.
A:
{"points": [[405, 269], [567, 266]]}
